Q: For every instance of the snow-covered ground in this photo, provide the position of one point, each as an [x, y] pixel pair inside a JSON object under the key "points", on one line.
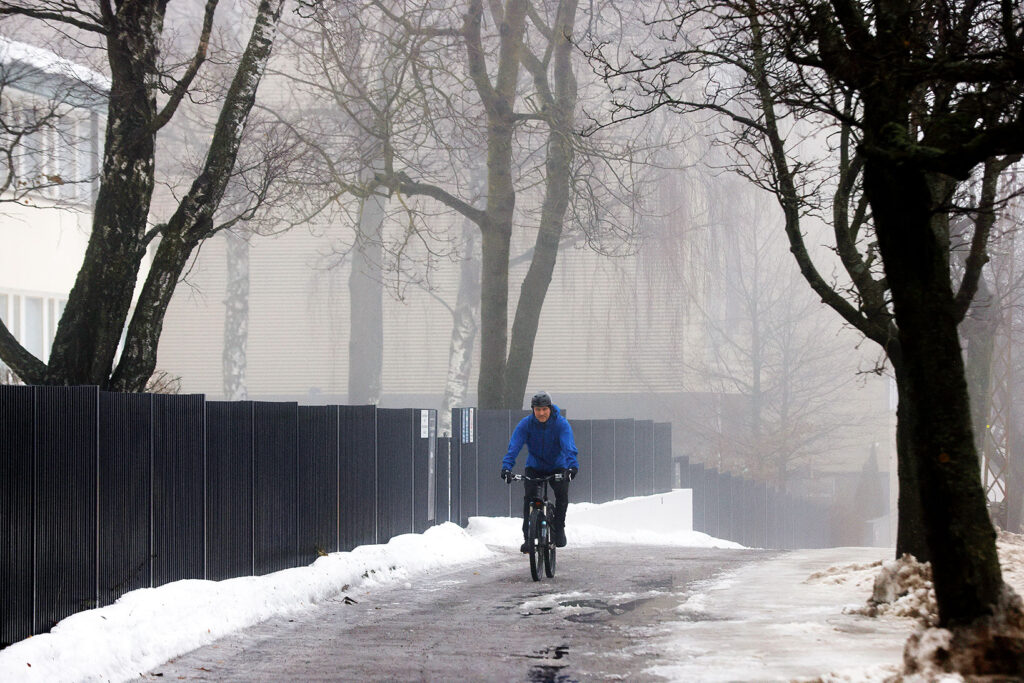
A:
{"points": [[788, 618]]}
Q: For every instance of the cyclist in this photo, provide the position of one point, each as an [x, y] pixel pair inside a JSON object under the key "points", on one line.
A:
{"points": [[548, 437]]}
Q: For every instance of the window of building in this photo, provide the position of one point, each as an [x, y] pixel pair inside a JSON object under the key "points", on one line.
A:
{"points": [[53, 155], [32, 320], [32, 337]]}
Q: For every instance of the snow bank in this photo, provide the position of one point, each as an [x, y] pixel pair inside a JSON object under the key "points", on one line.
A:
{"points": [[661, 519], [149, 626], [662, 513]]}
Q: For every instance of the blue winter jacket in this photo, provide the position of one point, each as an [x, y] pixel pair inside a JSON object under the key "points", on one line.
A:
{"points": [[550, 443]]}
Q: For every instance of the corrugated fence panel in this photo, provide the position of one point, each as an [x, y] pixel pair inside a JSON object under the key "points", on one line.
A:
{"points": [[495, 496], [17, 415], [229, 472], [443, 484], [581, 489], [396, 430], [125, 491], [65, 502], [318, 481], [625, 458], [603, 460], [663, 474], [357, 439], [467, 465], [425, 466], [275, 486], [179, 463], [644, 457]]}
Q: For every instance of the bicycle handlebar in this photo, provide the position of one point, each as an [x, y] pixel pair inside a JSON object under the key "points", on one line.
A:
{"points": [[557, 476]]}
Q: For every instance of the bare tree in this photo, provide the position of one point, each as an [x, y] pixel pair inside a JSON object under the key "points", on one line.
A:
{"points": [[918, 95], [768, 343], [511, 100], [94, 319]]}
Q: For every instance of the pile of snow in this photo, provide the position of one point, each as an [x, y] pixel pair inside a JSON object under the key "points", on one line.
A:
{"points": [[903, 588], [146, 627]]}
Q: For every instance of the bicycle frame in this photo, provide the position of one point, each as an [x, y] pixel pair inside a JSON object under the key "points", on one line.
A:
{"points": [[541, 545]]}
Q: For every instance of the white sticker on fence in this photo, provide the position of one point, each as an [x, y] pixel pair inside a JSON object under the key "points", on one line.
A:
{"points": [[424, 424]]}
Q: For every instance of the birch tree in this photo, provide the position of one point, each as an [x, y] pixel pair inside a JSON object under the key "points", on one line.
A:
{"points": [[87, 339]]}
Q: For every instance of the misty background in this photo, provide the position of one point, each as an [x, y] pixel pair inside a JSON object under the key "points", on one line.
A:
{"points": [[349, 263]]}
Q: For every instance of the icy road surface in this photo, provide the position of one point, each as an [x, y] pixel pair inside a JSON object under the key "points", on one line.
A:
{"points": [[599, 618]]}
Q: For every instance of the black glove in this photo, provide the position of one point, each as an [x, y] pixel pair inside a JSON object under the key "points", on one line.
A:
{"points": [[572, 472], [506, 475]]}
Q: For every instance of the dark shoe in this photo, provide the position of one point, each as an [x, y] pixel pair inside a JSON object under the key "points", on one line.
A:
{"points": [[559, 538], [525, 547]]}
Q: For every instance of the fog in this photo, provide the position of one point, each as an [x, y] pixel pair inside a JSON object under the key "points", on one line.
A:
{"points": [[413, 222]]}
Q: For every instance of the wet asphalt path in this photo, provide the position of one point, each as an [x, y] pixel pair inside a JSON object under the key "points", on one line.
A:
{"points": [[480, 622]]}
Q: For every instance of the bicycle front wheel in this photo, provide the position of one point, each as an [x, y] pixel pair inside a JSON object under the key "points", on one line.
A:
{"points": [[549, 547], [533, 543]]}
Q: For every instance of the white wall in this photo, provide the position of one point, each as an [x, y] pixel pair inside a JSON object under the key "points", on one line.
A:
{"points": [[41, 249]]}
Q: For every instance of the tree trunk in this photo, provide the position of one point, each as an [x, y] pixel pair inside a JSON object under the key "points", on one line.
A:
{"points": [[967, 578], [236, 318], [366, 304], [911, 537], [465, 323], [495, 251], [558, 189], [192, 222], [496, 226], [90, 329]]}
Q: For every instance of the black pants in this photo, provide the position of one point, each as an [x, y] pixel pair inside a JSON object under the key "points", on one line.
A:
{"points": [[532, 490]]}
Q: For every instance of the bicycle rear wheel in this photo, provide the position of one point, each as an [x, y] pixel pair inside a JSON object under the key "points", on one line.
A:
{"points": [[533, 544]]}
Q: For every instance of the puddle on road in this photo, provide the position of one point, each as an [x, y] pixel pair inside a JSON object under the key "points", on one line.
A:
{"points": [[549, 673]]}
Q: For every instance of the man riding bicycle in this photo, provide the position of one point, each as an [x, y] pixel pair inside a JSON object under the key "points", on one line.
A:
{"points": [[548, 437]]}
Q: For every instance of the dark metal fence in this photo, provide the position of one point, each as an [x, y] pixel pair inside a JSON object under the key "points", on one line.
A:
{"points": [[750, 512], [105, 493]]}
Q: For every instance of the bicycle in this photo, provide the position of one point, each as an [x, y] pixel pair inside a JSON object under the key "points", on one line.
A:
{"points": [[539, 542]]}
